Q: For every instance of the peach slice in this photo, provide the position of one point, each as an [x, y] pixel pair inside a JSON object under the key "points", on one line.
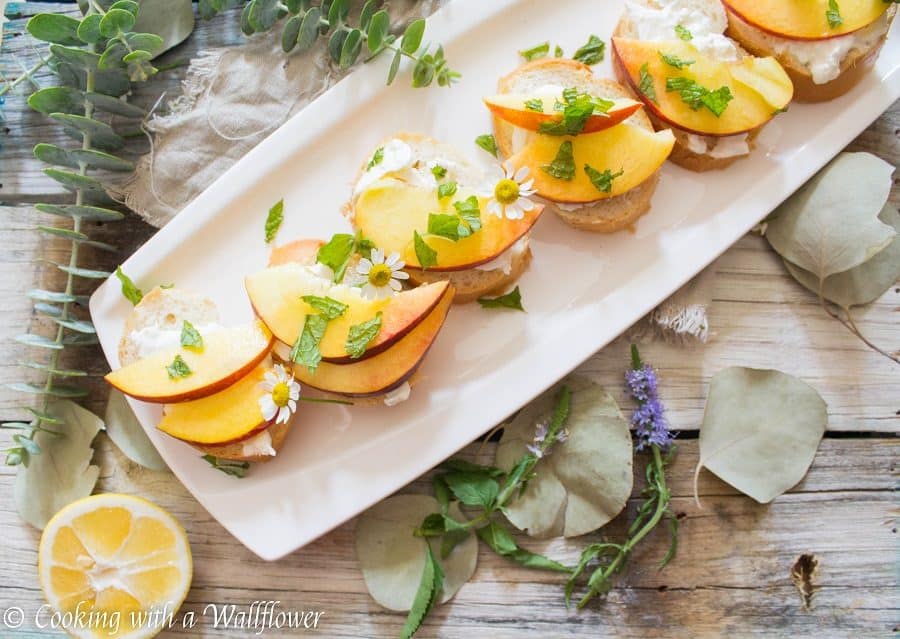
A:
{"points": [[225, 417], [277, 297], [511, 108], [227, 356], [303, 251], [806, 19], [760, 87], [385, 371], [633, 150], [390, 211]]}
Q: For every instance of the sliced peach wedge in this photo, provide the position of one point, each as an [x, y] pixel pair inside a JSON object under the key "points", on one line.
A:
{"points": [[225, 417], [391, 212], [277, 295], [758, 88], [531, 111], [181, 374], [383, 372], [806, 19], [631, 153]]}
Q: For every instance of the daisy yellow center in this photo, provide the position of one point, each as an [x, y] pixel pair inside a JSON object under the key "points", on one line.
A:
{"points": [[380, 275], [281, 394], [506, 191]]}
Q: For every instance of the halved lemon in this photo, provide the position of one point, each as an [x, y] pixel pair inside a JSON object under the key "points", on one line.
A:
{"points": [[114, 566]]}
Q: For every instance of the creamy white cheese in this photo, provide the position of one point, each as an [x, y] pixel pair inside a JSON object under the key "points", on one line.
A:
{"points": [[398, 395], [823, 58], [705, 19], [504, 261], [728, 146], [258, 445], [152, 339], [402, 161]]}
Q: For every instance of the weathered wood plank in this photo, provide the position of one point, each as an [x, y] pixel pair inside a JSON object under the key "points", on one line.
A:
{"points": [[730, 578]]}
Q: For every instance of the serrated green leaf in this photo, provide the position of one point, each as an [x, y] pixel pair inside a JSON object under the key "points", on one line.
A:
{"points": [[309, 29], [93, 213], [39, 341], [473, 489], [426, 255], [306, 349], [412, 36], [129, 290], [57, 100], [74, 181], [54, 27], [511, 300], [127, 433], [62, 472], [361, 335]]}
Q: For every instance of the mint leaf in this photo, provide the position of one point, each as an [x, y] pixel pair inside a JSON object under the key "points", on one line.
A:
{"points": [[473, 488], [131, 292], [426, 255], [377, 157], [363, 245], [717, 101], [428, 593], [190, 336], [591, 52], [833, 15], [501, 542], [464, 466], [329, 307], [227, 466], [683, 33], [512, 300], [558, 52], [488, 143], [697, 96], [306, 349], [535, 52], [563, 165], [361, 335], [444, 225], [447, 189], [674, 61], [470, 213], [336, 253], [274, 220], [577, 108], [602, 180], [535, 105], [178, 368], [438, 171], [645, 83]]}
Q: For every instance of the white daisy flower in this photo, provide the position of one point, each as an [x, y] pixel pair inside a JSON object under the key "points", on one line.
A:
{"points": [[381, 277], [282, 394], [509, 198]]}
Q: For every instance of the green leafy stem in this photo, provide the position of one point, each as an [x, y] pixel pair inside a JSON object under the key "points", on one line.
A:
{"points": [[304, 23], [95, 58]]}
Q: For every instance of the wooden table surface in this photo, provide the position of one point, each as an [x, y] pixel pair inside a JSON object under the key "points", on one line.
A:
{"points": [[732, 575]]}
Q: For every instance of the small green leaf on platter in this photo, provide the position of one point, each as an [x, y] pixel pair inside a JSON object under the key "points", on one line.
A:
{"points": [[585, 481], [126, 432], [328, 307], [488, 143], [274, 219], [54, 28], [178, 368], [511, 300], [228, 467], [306, 349], [426, 255], [361, 335], [62, 472], [760, 431], [190, 337], [392, 558], [591, 52], [537, 51]]}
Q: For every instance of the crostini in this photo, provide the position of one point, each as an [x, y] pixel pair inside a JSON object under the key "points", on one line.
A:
{"points": [[220, 390], [588, 146], [713, 95], [342, 319], [825, 47], [444, 216]]}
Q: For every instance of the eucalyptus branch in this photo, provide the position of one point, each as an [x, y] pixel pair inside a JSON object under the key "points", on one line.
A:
{"points": [[851, 326], [28, 75]]}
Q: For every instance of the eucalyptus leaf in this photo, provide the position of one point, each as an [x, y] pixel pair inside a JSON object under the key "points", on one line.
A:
{"points": [[54, 27], [392, 558], [145, 42], [864, 283], [84, 272], [263, 14], [103, 136], [351, 48], [101, 160], [62, 472], [73, 181], [52, 154], [128, 434], [93, 213], [246, 26], [366, 13], [584, 481], [39, 341], [113, 57], [309, 29], [760, 430], [89, 29], [50, 296], [172, 20], [831, 224], [412, 36], [80, 59], [336, 45], [379, 27], [57, 100], [130, 6], [116, 22], [290, 32], [114, 105]]}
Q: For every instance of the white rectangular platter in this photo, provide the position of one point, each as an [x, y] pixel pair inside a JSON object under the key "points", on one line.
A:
{"points": [[581, 291]]}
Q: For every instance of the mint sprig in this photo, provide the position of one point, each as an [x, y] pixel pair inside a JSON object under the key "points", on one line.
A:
{"points": [[178, 368], [131, 292], [361, 335], [512, 300], [426, 255], [426, 596], [645, 83], [563, 165], [306, 349], [190, 336], [274, 220], [591, 52], [488, 143]]}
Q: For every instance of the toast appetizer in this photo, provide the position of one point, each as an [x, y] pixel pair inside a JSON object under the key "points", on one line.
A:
{"points": [[826, 48], [342, 319], [427, 206], [589, 147], [713, 95], [220, 390]]}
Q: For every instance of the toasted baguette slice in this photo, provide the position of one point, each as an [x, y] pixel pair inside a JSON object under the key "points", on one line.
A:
{"points": [[854, 67], [167, 309], [471, 283], [603, 216], [681, 155]]}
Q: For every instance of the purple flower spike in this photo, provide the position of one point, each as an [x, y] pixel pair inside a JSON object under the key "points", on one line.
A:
{"points": [[648, 419]]}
